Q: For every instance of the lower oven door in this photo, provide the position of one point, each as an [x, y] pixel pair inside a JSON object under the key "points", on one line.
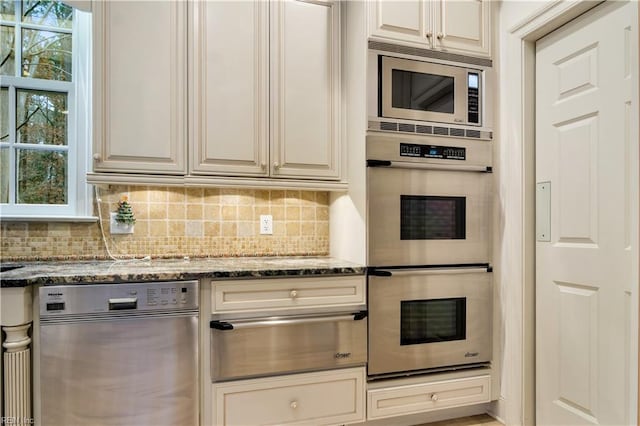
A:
{"points": [[423, 319], [266, 346]]}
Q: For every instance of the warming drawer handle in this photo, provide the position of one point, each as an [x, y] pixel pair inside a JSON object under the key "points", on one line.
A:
{"points": [[433, 271], [274, 322], [221, 325], [423, 166]]}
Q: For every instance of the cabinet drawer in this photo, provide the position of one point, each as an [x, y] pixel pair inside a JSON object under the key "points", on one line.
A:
{"points": [[324, 398], [411, 399], [261, 295]]}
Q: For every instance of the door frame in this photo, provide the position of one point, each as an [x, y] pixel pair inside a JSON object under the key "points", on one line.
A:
{"points": [[519, 47]]}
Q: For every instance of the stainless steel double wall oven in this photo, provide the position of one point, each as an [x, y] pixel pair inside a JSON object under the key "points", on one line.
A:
{"points": [[429, 247]]}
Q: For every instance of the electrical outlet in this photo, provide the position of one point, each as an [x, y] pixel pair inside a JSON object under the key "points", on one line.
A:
{"points": [[119, 228], [266, 224]]}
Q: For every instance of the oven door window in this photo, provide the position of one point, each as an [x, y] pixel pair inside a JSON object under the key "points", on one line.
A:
{"points": [[432, 218], [422, 92], [434, 320]]}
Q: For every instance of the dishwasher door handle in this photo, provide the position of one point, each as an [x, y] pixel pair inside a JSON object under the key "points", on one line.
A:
{"points": [[274, 322], [118, 304]]}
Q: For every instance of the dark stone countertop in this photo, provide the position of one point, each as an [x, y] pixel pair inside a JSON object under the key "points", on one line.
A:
{"points": [[101, 271]]}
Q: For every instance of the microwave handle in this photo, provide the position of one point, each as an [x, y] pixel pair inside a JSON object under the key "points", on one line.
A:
{"points": [[423, 166], [271, 322], [434, 271]]}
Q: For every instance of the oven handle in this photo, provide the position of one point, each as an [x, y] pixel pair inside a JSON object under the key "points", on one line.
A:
{"points": [[434, 271], [423, 166], [270, 322]]}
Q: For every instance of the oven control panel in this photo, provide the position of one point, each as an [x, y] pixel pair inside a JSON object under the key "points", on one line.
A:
{"points": [[433, 151]]}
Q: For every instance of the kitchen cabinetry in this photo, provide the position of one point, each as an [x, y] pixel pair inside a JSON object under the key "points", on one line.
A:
{"points": [[456, 26], [321, 398], [287, 293], [266, 89], [139, 74], [423, 397]]}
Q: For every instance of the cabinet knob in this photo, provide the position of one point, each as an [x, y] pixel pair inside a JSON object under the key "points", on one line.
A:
{"points": [[276, 165], [434, 397], [440, 36], [294, 404], [97, 157], [429, 34], [293, 294], [263, 166]]}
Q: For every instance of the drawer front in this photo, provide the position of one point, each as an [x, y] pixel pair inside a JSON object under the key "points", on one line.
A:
{"points": [[324, 398], [290, 293], [285, 346], [411, 399]]}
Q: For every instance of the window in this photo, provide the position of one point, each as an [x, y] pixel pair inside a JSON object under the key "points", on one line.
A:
{"points": [[44, 131]]}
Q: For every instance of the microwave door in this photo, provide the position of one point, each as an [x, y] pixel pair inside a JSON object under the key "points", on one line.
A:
{"points": [[423, 91], [428, 217]]}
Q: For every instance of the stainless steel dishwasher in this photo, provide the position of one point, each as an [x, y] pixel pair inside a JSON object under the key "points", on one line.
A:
{"points": [[119, 354]]}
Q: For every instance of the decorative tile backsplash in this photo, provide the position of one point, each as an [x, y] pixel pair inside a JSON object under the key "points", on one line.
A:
{"points": [[173, 222]]}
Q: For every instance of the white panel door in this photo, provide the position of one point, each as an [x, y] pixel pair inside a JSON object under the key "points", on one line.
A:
{"points": [[229, 87], [305, 89], [463, 26], [140, 86], [585, 136]]}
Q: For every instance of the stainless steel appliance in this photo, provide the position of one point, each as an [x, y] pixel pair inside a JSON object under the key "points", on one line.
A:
{"points": [[119, 354], [429, 318], [262, 346], [427, 91], [429, 201]]}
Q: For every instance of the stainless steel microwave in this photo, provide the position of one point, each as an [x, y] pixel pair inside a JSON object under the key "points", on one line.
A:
{"points": [[426, 91]]}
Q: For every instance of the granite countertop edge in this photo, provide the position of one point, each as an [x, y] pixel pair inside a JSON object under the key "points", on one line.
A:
{"points": [[113, 272]]}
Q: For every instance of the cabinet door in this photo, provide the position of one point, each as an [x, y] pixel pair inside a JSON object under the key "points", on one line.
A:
{"points": [[305, 89], [229, 87], [463, 26], [140, 86], [406, 20]]}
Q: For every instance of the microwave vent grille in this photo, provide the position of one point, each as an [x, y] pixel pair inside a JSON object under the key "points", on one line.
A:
{"points": [[404, 127], [386, 125], [389, 126]]}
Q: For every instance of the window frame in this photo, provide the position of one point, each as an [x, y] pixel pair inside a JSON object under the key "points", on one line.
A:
{"points": [[78, 90]]}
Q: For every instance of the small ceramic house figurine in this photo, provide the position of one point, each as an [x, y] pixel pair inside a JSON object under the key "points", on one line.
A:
{"points": [[124, 212]]}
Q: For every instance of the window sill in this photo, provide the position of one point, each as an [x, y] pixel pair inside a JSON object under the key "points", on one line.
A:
{"points": [[48, 219]]}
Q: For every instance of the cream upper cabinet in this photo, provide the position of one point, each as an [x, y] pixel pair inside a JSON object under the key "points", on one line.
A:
{"points": [[266, 89], [456, 26], [229, 88], [140, 87], [305, 89]]}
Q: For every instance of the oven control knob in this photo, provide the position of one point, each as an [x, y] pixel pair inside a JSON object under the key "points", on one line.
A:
{"points": [[293, 294], [294, 404], [434, 397]]}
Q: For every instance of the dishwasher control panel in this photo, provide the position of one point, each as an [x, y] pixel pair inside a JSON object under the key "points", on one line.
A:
{"points": [[118, 297]]}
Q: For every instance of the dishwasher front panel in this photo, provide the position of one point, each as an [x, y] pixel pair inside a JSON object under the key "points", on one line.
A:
{"points": [[134, 371]]}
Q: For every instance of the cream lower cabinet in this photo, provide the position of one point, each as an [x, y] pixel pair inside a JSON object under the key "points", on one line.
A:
{"points": [[265, 89], [140, 87], [416, 398], [456, 26], [323, 398]]}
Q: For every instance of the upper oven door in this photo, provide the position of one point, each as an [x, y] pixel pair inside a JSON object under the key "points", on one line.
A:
{"points": [[428, 204], [424, 91]]}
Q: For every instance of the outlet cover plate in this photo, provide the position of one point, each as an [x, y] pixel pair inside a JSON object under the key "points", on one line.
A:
{"points": [[119, 228], [266, 224]]}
